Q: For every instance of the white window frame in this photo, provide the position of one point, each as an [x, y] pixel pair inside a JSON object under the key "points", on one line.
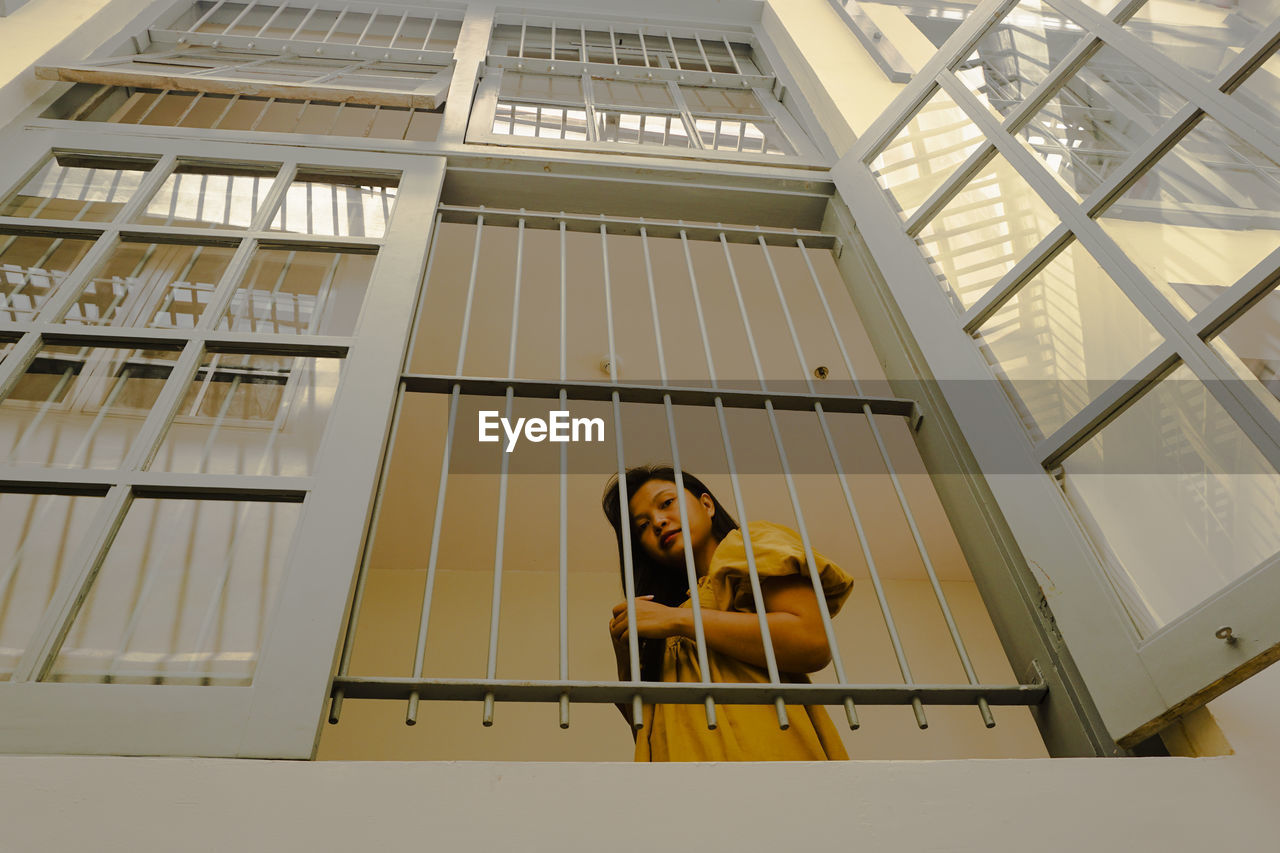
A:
{"points": [[1139, 684], [280, 713], [763, 85]]}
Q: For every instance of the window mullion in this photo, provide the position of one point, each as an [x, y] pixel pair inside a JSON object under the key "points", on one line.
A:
{"points": [[1252, 415], [63, 603], [589, 99], [1237, 118], [239, 263], [69, 291], [695, 140]]}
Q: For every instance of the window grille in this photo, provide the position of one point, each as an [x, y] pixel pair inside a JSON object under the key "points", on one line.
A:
{"points": [[1152, 192], [170, 357], [374, 73], [705, 269], [612, 87]]}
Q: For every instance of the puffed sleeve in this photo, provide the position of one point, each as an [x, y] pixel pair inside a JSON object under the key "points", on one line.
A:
{"points": [[778, 552]]}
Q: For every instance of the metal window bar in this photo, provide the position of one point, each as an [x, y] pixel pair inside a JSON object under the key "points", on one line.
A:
{"points": [[766, 639], [348, 642], [206, 16], [271, 20], [823, 610], [700, 639], [491, 689], [411, 716], [245, 11]]}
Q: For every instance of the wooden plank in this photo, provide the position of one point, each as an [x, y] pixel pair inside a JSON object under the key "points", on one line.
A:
{"points": [[428, 96]]}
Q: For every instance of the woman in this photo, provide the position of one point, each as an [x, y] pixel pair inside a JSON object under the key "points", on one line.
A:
{"points": [[735, 652]]}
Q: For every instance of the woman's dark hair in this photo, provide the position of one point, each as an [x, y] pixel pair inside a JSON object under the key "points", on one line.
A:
{"points": [[652, 578]]}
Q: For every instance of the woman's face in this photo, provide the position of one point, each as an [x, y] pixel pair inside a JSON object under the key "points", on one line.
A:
{"points": [[655, 514]]}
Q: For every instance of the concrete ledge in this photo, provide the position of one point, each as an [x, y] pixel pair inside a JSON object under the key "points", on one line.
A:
{"points": [[144, 804]]}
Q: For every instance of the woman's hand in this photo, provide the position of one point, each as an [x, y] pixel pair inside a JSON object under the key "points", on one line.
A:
{"points": [[653, 621]]}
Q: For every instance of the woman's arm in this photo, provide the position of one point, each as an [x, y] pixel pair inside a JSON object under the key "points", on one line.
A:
{"points": [[791, 610]]}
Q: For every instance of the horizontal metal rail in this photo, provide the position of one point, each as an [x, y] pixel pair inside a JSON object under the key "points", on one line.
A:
{"points": [[686, 693], [684, 396], [633, 226]]}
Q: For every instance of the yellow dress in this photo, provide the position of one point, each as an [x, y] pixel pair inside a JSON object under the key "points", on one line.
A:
{"points": [[675, 732]]}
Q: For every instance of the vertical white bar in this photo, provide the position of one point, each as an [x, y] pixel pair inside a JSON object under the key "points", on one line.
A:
{"points": [[899, 652], [425, 615], [624, 511], [495, 613], [983, 706], [563, 495], [823, 610]]}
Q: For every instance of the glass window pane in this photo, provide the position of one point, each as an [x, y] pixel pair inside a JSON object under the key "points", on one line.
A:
{"points": [[287, 291], [31, 267], [1177, 498], [198, 196], [77, 188], [702, 99], [1202, 35], [80, 407], [337, 205], [153, 284], [1203, 215], [541, 87], [1260, 91], [1015, 55], [988, 226], [623, 93], [1098, 118], [1251, 344], [1062, 339], [929, 148], [183, 596], [251, 414], [39, 535], [752, 137]]}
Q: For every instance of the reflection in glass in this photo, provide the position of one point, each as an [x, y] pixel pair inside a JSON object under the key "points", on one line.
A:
{"points": [[1177, 498], [1201, 35], [337, 205], [542, 121], [1260, 91], [1062, 339], [288, 291], [624, 93], [1015, 55], [704, 100], [156, 284], [926, 151], [1103, 113], [985, 230], [77, 188], [80, 407], [542, 87], [1203, 215], [197, 196], [251, 414], [39, 535], [31, 268], [184, 595], [1251, 344]]}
